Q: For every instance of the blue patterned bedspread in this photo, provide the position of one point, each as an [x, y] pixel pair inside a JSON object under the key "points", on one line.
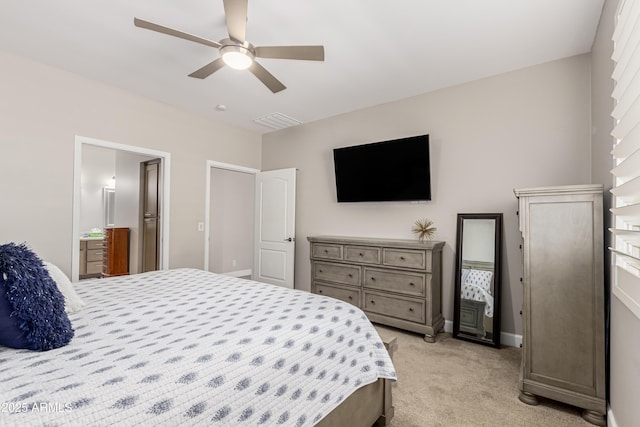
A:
{"points": [[188, 347]]}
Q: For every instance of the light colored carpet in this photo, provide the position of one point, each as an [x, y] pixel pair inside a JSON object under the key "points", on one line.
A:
{"points": [[458, 383]]}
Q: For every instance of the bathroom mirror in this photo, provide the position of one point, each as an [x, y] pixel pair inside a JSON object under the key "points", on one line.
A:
{"points": [[477, 285], [109, 206]]}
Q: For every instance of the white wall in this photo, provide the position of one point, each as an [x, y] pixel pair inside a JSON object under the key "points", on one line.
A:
{"points": [[44, 108], [525, 128], [624, 347], [98, 170], [231, 221]]}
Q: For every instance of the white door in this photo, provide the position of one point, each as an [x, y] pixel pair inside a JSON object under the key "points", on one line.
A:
{"points": [[274, 247]]}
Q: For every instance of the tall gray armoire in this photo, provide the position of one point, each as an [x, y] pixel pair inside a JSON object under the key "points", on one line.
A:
{"points": [[563, 311]]}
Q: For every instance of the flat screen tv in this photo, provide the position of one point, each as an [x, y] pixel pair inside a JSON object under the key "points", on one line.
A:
{"points": [[394, 170]]}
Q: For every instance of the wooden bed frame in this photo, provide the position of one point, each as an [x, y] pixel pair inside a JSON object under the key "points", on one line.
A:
{"points": [[370, 405], [472, 318]]}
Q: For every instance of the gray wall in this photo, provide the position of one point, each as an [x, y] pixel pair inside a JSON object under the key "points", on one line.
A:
{"points": [[526, 128], [42, 111], [624, 364]]}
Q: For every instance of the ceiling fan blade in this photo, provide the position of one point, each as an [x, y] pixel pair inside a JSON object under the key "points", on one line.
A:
{"points": [[266, 78], [208, 69], [236, 14], [309, 53], [170, 31]]}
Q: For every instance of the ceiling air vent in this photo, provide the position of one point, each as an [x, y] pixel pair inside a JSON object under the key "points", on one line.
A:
{"points": [[277, 121]]}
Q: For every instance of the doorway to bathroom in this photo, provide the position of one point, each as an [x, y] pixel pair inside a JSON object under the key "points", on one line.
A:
{"points": [[122, 167]]}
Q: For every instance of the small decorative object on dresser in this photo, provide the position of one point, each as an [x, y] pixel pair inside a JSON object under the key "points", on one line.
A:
{"points": [[396, 282], [424, 228], [563, 310], [116, 252]]}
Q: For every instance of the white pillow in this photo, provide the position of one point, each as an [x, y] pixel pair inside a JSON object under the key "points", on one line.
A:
{"points": [[72, 302]]}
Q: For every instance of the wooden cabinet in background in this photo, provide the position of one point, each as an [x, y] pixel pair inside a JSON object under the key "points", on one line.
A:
{"points": [[116, 252], [563, 313]]}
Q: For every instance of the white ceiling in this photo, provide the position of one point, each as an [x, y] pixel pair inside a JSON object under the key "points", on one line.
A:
{"points": [[376, 51]]}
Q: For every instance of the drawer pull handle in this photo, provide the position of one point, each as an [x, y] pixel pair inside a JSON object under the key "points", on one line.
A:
{"points": [[361, 254], [411, 284], [373, 302], [373, 279], [410, 309], [326, 251], [320, 270], [320, 291], [402, 258], [350, 297], [350, 275]]}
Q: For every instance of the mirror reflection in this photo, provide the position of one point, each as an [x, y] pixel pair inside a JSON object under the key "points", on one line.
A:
{"points": [[477, 309]]}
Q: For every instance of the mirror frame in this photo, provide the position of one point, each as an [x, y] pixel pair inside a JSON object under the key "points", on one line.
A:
{"points": [[497, 276], [108, 206]]}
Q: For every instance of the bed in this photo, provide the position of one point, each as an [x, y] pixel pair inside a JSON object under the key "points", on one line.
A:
{"points": [[189, 347], [476, 293]]}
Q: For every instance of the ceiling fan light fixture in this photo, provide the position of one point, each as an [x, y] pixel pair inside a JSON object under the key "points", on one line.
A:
{"points": [[235, 51], [237, 57]]}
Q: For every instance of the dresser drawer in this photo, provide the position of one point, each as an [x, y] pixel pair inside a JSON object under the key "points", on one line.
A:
{"points": [[337, 273], [406, 258], [350, 295], [409, 309], [94, 267], [402, 282], [326, 250], [362, 254], [94, 244], [94, 255]]}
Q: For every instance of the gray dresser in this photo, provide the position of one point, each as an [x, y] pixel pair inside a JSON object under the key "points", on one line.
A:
{"points": [[396, 282], [563, 349], [91, 253]]}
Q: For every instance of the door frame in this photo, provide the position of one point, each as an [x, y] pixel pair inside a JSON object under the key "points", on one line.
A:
{"points": [[165, 165], [207, 203]]}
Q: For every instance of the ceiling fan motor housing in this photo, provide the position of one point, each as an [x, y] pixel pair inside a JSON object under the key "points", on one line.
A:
{"points": [[237, 55]]}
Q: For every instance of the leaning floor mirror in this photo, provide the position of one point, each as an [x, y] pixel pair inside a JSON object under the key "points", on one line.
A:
{"points": [[477, 286]]}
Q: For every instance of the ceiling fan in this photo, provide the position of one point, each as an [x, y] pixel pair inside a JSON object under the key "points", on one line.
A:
{"points": [[235, 51]]}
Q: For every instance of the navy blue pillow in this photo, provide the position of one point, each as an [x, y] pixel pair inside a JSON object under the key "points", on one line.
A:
{"points": [[32, 314]]}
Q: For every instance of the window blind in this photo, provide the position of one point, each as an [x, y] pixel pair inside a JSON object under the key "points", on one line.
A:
{"points": [[626, 155]]}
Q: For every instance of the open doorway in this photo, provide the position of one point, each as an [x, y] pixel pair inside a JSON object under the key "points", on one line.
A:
{"points": [[229, 219], [126, 182], [250, 223]]}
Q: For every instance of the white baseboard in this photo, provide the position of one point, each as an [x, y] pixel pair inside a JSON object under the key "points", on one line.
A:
{"points": [[512, 340], [611, 420], [448, 326], [508, 339], [239, 273]]}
